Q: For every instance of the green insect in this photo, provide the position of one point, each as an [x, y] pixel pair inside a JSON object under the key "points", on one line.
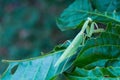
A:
{"points": [[78, 40]]}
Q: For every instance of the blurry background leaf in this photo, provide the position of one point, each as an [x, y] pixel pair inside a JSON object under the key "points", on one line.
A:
{"points": [[28, 27]]}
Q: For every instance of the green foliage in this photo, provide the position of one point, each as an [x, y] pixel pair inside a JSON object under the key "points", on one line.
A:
{"points": [[41, 68], [98, 10], [97, 58], [37, 67], [101, 50], [98, 73]]}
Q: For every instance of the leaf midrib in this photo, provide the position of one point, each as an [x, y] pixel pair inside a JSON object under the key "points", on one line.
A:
{"points": [[99, 15]]}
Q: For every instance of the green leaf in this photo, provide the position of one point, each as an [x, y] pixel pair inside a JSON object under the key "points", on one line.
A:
{"points": [[98, 10], [98, 73], [41, 68], [101, 50]]}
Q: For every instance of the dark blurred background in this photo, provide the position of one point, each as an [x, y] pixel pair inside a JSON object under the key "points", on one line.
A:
{"points": [[28, 27]]}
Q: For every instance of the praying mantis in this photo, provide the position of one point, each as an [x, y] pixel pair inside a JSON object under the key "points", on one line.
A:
{"points": [[79, 39]]}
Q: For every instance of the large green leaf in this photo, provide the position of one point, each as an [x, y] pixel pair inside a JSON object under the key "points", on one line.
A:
{"points": [[41, 68], [98, 73], [98, 10], [102, 50]]}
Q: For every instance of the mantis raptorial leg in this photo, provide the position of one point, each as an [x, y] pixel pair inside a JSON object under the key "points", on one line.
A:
{"points": [[90, 30]]}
